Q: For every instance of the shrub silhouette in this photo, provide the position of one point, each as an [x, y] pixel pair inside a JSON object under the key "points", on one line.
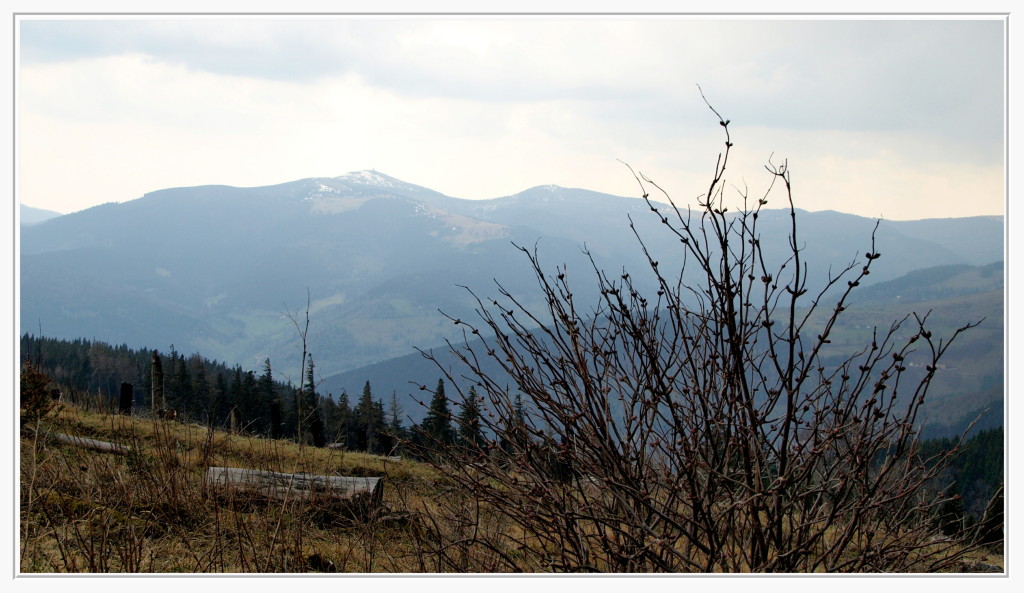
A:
{"points": [[707, 427]]}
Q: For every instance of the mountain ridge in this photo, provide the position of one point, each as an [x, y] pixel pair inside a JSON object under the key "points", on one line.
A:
{"points": [[29, 215], [970, 379], [217, 268]]}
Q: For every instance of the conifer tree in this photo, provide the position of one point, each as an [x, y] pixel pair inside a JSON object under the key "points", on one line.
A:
{"points": [[416, 441], [267, 391], [382, 441], [199, 401], [329, 417], [369, 422], [311, 409], [364, 433], [437, 425], [344, 424], [218, 400], [950, 517], [394, 426], [470, 433], [181, 383], [513, 437], [255, 411]]}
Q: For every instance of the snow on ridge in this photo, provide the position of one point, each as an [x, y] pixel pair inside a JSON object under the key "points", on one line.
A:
{"points": [[320, 191], [370, 177]]}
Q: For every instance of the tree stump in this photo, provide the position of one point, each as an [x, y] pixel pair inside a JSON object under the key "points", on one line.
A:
{"points": [[127, 397]]}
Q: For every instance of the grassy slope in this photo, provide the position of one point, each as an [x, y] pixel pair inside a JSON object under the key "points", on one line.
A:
{"points": [[148, 511], [84, 511]]}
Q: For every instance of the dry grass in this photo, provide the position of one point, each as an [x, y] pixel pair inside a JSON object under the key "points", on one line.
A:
{"points": [[149, 511]]}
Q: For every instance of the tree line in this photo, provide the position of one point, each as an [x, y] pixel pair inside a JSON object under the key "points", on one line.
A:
{"points": [[210, 392]]}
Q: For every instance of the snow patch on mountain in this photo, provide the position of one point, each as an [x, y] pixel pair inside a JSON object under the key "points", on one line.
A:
{"points": [[370, 177]]}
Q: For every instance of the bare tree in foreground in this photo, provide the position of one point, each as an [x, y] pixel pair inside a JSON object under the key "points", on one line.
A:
{"points": [[701, 428]]}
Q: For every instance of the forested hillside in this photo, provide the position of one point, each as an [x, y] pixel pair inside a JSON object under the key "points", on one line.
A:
{"points": [[206, 392]]}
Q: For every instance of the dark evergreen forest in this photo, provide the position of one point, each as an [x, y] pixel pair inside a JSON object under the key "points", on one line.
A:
{"points": [[90, 373]]}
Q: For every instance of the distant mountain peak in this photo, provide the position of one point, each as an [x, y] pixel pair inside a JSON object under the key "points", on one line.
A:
{"points": [[370, 182], [30, 215], [371, 177]]}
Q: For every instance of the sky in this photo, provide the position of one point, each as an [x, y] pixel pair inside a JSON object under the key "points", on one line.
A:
{"points": [[898, 118]]}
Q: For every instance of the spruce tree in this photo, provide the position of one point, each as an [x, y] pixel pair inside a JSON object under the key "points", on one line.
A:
{"points": [[180, 391], [364, 415], [382, 441], [218, 398], [198, 405], [255, 411], [344, 427], [267, 391], [513, 436], [470, 433], [329, 417], [437, 425], [394, 426], [311, 409], [950, 517]]}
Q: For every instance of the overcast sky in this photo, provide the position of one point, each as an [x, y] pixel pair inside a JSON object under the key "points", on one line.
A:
{"points": [[900, 119]]}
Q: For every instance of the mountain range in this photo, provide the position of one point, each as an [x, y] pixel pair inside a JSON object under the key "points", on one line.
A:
{"points": [[231, 272], [30, 215]]}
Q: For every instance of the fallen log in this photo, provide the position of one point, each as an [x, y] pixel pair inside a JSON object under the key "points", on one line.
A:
{"points": [[354, 492], [93, 444]]}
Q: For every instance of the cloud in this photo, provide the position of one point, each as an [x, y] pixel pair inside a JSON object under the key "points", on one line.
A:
{"points": [[481, 107]]}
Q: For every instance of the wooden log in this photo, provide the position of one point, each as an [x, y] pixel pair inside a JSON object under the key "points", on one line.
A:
{"points": [[365, 492], [95, 445]]}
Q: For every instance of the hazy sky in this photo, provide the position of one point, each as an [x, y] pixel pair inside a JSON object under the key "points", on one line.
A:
{"points": [[880, 117]]}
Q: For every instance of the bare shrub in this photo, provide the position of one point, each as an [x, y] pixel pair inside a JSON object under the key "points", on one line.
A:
{"points": [[708, 427]]}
